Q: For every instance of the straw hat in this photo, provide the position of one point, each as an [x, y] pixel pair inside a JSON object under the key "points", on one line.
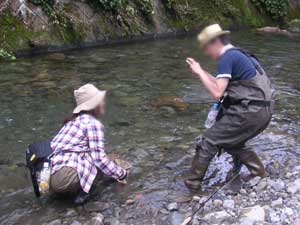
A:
{"points": [[209, 33], [88, 97]]}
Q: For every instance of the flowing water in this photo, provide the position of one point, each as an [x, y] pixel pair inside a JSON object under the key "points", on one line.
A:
{"points": [[143, 123]]}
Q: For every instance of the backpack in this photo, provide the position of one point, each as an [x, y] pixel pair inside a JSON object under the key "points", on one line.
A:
{"points": [[36, 154]]}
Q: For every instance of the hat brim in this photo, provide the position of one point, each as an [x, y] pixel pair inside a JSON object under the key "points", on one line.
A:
{"points": [[217, 34], [92, 103]]}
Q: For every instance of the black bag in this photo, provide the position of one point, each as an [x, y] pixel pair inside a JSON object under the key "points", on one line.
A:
{"points": [[36, 154]]}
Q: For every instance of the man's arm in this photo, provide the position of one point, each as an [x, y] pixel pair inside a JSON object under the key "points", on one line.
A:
{"points": [[216, 87]]}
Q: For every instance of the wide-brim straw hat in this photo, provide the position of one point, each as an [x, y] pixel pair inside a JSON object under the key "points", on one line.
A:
{"points": [[88, 97], [209, 33]]}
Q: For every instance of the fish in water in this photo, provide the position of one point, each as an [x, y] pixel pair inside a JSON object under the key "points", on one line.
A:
{"points": [[171, 101]]}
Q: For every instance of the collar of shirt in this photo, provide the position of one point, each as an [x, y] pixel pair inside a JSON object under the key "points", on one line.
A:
{"points": [[225, 48]]}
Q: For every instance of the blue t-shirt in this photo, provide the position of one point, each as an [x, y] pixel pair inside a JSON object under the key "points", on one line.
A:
{"points": [[235, 65]]}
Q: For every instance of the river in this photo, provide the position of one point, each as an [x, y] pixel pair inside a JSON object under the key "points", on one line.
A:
{"points": [[142, 123]]}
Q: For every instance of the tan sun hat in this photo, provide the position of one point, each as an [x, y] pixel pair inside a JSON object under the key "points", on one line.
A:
{"points": [[209, 33], [88, 97]]}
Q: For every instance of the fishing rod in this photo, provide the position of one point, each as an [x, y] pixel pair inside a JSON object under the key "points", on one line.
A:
{"points": [[188, 220]]}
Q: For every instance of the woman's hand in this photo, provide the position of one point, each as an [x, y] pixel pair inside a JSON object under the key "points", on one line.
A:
{"points": [[194, 66]]}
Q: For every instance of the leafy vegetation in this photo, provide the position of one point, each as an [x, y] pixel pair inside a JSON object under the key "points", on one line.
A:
{"points": [[6, 55], [275, 8]]}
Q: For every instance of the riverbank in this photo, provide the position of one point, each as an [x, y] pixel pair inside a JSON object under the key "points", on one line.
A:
{"points": [[33, 26]]}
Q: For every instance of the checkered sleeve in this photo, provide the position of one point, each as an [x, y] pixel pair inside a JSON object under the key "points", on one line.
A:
{"points": [[95, 133]]}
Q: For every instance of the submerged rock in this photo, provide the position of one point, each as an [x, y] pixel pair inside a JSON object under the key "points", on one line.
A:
{"points": [[170, 101]]}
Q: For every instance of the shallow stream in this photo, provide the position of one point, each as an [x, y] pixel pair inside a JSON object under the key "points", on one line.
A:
{"points": [[143, 123]]}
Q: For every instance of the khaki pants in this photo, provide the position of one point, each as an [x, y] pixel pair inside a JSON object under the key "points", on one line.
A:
{"points": [[65, 181]]}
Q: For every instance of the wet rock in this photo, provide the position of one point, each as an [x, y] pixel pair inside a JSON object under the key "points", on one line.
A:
{"points": [[261, 185], [255, 213], [96, 206], [55, 222], [172, 206], [229, 204], [217, 217], [278, 185], [71, 213], [130, 201], [97, 219], [246, 222], [171, 101], [75, 222], [272, 30], [114, 221], [176, 218], [277, 203], [217, 203], [294, 187], [167, 111]]}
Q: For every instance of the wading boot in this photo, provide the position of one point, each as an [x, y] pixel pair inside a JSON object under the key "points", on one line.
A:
{"points": [[237, 166], [253, 163], [199, 169]]}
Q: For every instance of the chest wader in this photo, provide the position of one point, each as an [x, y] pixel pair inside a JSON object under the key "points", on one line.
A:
{"points": [[246, 111]]}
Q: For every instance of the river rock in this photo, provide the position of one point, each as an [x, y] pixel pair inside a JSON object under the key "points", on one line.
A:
{"points": [[294, 187], [96, 206], [217, 217], [56, 56], [172, 206], [217, 203], [55, 222], [176, 218], [98, 219], [277, 203], [75, 222], [278, 185], [255, 213], [229, 204], [130, 201], [71, 213]]}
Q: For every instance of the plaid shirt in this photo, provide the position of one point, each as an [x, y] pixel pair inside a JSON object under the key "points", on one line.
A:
{"points": [[80, 145]]}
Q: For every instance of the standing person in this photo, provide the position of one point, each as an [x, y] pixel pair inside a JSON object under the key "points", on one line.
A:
{"points": [[79, 148], [246, 94]]}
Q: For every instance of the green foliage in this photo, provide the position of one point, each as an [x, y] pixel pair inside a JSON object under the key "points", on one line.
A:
{"points": [[6, 55], [146, 6], [275, 8], [62, 24], [47, 5]]}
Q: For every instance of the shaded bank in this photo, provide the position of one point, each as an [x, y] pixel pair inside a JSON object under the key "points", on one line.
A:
{"points": [[30, 26]]}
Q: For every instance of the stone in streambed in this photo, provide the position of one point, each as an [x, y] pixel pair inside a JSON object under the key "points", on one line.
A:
{"points": [[75, 222], [277, 203], [217, 217], [176, 218], [55, 222], [97, 219], [217, 203], [255, 213], [130, 201], [172, 206], [96, 206], [228, 204], [294, 187]]}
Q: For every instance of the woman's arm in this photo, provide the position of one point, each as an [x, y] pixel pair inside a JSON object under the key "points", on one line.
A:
{"points": [[95, 136], [216, 87]]}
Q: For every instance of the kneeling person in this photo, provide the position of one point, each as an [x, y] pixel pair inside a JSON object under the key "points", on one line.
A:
{"points": [[79, 147]]}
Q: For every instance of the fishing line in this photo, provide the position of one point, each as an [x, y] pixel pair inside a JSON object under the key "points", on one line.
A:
{"points": [[188, 220]]}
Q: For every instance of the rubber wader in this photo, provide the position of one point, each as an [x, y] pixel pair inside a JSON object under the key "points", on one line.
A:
{"points": [[246, 111]]}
